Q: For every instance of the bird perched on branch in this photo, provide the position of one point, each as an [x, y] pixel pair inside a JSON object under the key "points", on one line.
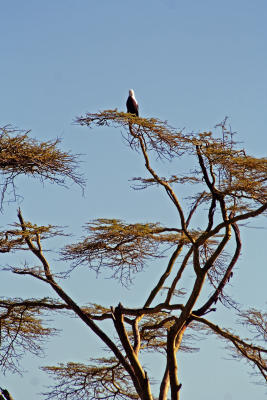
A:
{"points": [[131, 104]]}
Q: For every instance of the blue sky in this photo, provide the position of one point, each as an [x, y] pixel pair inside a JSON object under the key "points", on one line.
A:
{"points": [[191, 63]]}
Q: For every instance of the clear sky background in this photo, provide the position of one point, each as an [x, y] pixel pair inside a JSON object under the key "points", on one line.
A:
{"points": [[191, 63]]}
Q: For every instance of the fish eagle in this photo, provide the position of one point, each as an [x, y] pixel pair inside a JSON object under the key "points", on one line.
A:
{"points": [[131, 104]]}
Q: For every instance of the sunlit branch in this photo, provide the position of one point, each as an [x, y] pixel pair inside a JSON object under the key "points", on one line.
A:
{"points": [[242, 347], [141, 382], [231, 221], [178, 275], [167, 187], [226, 334], [219, 249], [33, 303], [165, 275], [150, 310], [194, 208], [216, 194], [104, 337], [226, 277], [136, 334]]}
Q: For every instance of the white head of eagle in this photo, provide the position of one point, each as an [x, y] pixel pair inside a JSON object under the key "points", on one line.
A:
{"points": [[131, 104]]}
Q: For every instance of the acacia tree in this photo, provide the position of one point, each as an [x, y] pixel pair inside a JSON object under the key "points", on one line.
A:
{"points": [[229, 187]]}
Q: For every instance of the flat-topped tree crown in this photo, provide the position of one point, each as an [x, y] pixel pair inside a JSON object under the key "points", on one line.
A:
{"points": [[22, 155], [189, 265]]}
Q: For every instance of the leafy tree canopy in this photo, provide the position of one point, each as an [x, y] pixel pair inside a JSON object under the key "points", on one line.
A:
{"points": [[228, 188]]}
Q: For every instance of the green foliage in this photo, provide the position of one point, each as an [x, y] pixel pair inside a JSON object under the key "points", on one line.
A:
{"points": [[104, 379], [239, 177], [22, 330], [122, 248], [22, 155], [162, 139], [15, 238], [227, 187]]}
